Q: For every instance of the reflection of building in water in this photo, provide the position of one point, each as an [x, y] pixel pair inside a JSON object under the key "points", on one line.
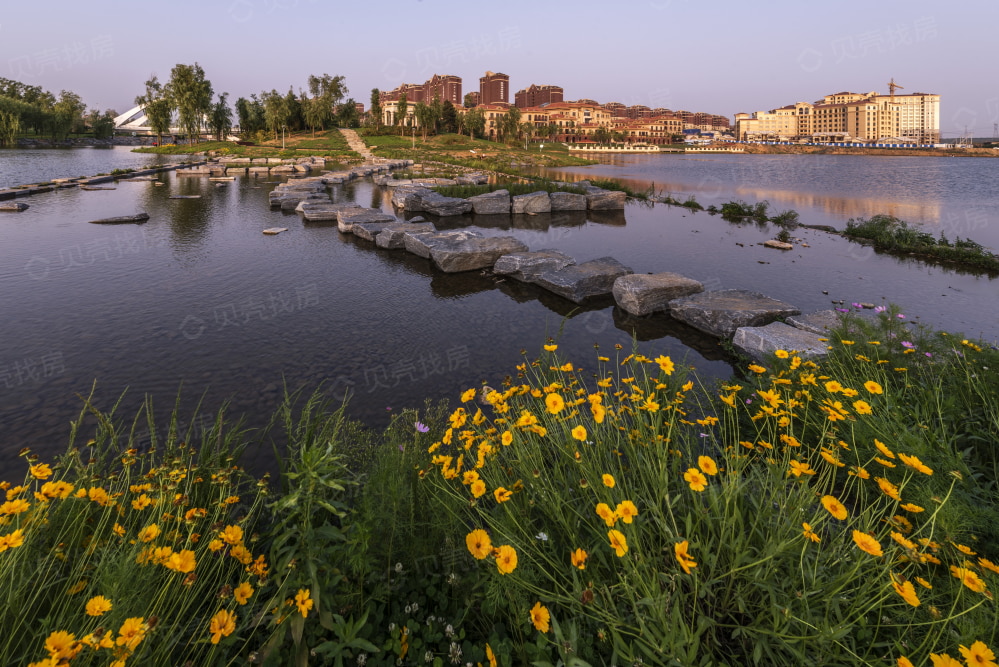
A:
{"points": [[848, 117], [845, 207]]}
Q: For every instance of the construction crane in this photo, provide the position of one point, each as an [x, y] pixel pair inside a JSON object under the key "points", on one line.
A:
{"points": [[892, 86]]}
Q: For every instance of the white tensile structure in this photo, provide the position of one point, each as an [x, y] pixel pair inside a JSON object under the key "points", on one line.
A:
{"points": [[135, 120]]}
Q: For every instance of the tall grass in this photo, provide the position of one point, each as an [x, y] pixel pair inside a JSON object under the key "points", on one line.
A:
{"points": [[888, 233]]}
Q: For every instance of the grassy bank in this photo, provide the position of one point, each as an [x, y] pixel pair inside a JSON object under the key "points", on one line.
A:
{"points": [[478, 154], [835, 513], [329, 144]]}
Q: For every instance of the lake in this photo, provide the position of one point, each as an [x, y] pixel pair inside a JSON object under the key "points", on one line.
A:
{"points": [[36, 165], [198, 300]]}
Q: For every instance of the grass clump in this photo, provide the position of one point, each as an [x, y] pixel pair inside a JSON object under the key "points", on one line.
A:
{"points": [[888, 233]]}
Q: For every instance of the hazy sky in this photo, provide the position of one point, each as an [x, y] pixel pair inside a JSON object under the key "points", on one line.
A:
{"points": [[721, 57]]}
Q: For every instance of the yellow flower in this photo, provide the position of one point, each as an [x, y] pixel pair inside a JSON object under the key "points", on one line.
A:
{"points": [[607, 514], [243, 592], [98, 495], [978, 654], [968, 578], [873, 387], [904, 662], [707, 465], [866, 543], [232, 535], [554, 403], [988, 565], [578, 558], [242, 554], [809, 533], [16, 506], [914, 463], [781, 354], [59, 489], [222, 625], [458, 418], [149, 533], [833, 387], [696, 479], [888, 488], [608, 481], [506, 438], [468, 395], [12, 540], [626, 510], [181, 561], [502, 495], [506, 559], [831, 459], [799, 468], [478, 543], [40, 471], [540, 617], [142, 502], [943, 660], [906, 590], [579, 433], [834, 507], [862, 407], [682, 557], [303, 601], [478, 488], [490, 656], [618, 542], [883, 448], [62, 647], [551, 348], [756, 368], [98, 605], [131, 633], [665, 364]]}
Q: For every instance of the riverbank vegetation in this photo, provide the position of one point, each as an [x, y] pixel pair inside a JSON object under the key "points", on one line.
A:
{"points": [[615, 510], [325, 143], [889, 234]]}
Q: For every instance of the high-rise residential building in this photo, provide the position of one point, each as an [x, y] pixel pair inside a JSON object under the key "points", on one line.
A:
{"points": [[535, 96], [494, 88], [444, 86]]}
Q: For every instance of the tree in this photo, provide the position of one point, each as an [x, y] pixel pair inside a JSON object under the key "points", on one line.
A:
{"points": [[510, 125], [190, 94], [275, 111], [602, 135], [528, 130], [449, 118], [220, 120], [437, 109], [327, 92], [296, 117], [102, 124], [424, 118], [250, 114], [375, 114], [402, 112], [158, 108], [469, 101], [475, 121], [346, 114], [10, 125], [68, 114]]}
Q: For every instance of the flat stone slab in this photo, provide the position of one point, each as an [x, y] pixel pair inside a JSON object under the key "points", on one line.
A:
{"points": [[368, 230], [491, 203], [393, 236], [527, 266], [761, 342], [138, 218], [409, 198], [567, 201], [316, 211], [13, 207], [535, 202], [421, 243], [820, 323], [779, 245], [349, 217], [642, 294], [271, 231], [721, 313], [442, 206], [474, 253], [580, 282]]}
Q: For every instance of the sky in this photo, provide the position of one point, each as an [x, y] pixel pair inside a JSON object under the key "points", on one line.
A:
{"points": [[722, 57]]}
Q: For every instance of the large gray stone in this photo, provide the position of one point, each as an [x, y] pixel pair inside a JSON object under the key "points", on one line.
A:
{"points": [[473, 254], [315, 211], [535, 202], [409, 198], [721, 313], [441, 206], [421, 243], [567, 201], [393, 236], [761, 342], [641, 294], [527, 266], [605, 200], [580, 282], [347, 218], [820, 323], [491, 203], [369, 231]]}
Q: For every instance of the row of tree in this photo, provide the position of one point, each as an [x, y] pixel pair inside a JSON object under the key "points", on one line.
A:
{"points": [[25, 108], [320, 107]]}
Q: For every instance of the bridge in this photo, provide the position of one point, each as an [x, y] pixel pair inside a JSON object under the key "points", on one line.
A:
{"points": [[135, 121]]}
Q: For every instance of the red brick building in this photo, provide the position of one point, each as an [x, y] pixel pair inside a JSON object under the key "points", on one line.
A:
{"points": [[535, 96], [444, 86], [494, 88]]}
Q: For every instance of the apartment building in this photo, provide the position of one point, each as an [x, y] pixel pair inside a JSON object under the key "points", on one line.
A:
{"points": [[494, 88], [535, 96]]}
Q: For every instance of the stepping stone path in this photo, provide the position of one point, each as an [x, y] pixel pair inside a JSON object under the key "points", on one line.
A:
{"points": [[642, 294], [721, 313], [761, 342]]}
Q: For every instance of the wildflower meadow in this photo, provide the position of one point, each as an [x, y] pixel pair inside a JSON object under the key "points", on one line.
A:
{"points": [[608, 511]]}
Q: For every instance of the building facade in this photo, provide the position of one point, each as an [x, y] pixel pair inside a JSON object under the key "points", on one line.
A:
{"points": [[494, 88], [443, 86], [535, 96]]}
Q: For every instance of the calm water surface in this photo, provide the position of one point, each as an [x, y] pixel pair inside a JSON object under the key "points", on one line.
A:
{"points": [[36, 165], [198, 298]]}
